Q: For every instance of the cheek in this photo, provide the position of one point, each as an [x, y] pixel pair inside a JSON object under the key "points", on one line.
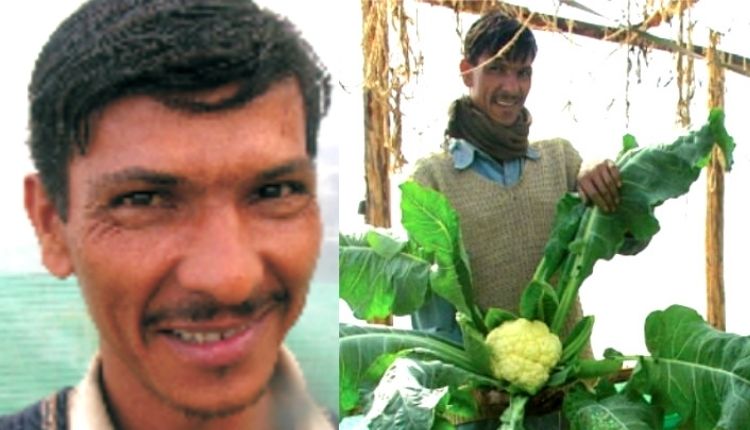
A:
{"points": [[486, 88], [118, 254], [118, 271], [293, 259], [114, 304], [295, 246], [525, 88]]}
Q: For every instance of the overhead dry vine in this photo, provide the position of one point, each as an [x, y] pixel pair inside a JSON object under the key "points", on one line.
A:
{"points": [[387, 71], [685, 72]]}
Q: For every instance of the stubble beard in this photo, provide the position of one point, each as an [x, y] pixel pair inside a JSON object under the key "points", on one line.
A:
{"points": [[202, 416], [205, 415]]}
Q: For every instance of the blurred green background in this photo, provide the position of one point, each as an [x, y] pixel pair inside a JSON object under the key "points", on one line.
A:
{"points": [[47, 339]]}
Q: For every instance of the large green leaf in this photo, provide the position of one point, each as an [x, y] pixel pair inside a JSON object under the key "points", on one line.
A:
{"points": [[585, 411], [361, 347], [723, 139], [401, 400], [382, 242], [378, 278], [412, 391], [695, 370], [431, 222], [650, 175]]}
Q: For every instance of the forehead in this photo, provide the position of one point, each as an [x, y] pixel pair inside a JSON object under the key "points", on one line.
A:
{"points": [[140, 131], [490, 59]]}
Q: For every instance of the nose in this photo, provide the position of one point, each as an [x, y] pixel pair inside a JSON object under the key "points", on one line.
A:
{"points": [[509, 83], [218, 261]]}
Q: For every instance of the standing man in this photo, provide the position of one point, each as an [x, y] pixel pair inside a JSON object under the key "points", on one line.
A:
{"points": [[504, 188], [174, 142]]}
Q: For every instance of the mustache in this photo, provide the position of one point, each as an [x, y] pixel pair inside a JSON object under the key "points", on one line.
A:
{"points": [[204, 309], [505, 96]]}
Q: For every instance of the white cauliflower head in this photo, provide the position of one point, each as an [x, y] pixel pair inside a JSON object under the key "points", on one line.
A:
{"points": [[523, 352]]}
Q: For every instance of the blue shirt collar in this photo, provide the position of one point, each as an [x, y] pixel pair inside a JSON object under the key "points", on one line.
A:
{"points": [[464, 153]]}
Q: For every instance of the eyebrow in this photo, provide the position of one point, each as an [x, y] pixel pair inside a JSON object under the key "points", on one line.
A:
{"points": [[163, 179], [296, 165], [136, 174], [100, 184], [505, 62]]}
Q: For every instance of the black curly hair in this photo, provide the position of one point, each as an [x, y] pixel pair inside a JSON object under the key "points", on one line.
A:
{"points": [[166, 49], [492, 31]]}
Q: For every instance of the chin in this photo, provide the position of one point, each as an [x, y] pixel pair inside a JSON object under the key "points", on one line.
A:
{"points": [[206, 412], [506, 121], [222, 391], [203, 405], [505, 118]]}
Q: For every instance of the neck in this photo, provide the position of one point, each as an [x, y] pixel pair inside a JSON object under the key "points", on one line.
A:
{"points": [[499, 141]]}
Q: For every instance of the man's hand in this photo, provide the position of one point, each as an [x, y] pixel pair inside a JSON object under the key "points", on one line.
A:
{"points": [[600, 183]]}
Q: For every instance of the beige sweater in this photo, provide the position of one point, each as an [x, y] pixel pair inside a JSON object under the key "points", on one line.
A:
{"points": [[505, 229]]}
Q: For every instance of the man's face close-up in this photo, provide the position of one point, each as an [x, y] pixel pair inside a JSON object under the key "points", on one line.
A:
{"points": [[499, 87], [194, 238]]}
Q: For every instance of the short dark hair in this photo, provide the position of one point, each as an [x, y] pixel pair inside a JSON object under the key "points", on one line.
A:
{"points": [[167, 49], [492, 31]]}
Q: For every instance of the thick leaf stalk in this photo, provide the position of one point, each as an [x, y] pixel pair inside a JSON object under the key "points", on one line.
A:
{"points": [[512, 418]]}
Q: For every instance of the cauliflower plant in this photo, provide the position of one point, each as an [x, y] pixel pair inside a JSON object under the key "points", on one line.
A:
{"points": [[523, 352]]}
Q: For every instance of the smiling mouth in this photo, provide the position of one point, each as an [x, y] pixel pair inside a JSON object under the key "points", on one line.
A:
{"points": [[506, 99], [219, 342], [504, 102], [214, 331], [201, 337]]}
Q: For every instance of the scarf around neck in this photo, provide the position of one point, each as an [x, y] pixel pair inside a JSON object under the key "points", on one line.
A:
{"points": [[499, 141]]}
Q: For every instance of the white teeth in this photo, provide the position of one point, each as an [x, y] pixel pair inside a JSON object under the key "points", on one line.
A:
{"points": [[205, 337], [503, 101]]}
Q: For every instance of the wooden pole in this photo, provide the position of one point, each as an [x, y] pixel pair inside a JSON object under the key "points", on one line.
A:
{"points": [[377, 117], [715, 201], [377, 122]]}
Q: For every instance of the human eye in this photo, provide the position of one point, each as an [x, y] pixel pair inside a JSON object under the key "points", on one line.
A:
{"points": [[281, 190], [281, 199], [139, 199], [495, 68], [140, 208], [525, 73]]}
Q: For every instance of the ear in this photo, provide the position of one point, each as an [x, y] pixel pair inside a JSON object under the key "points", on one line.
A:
{"points": [[467, 72], [49, 227]]}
